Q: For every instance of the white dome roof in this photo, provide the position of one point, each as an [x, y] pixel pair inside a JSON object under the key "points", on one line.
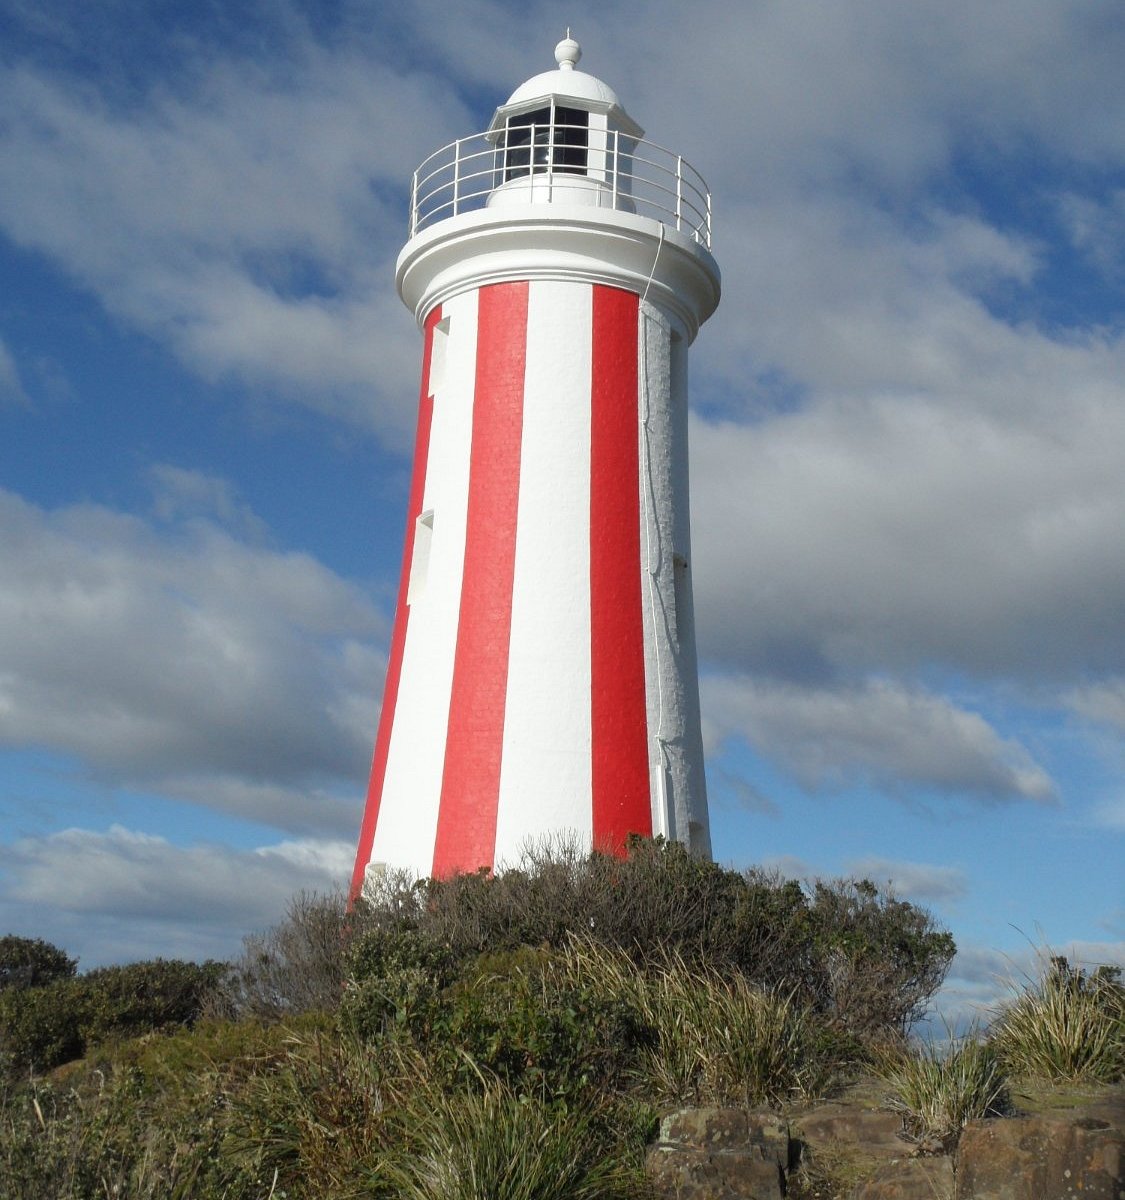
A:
{"points": [[563, 84]]}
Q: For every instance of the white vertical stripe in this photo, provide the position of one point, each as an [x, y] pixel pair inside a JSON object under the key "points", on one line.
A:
{"points": [[545, 775], [408, 813]]}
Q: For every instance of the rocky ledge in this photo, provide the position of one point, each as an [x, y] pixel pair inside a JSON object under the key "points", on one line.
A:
{"points": [[1074, 1146]]}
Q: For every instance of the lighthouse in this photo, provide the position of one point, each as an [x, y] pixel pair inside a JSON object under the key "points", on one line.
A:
{"points": [[542, 677]]}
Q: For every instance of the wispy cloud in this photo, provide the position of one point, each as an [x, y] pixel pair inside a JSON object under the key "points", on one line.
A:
{"points": [[925, 882], [156, 898], [248, 215], [1103, 703], [181, 654], [880, 733]]}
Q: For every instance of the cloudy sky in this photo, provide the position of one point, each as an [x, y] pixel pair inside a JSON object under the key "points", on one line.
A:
{"points": [[908, 441]]}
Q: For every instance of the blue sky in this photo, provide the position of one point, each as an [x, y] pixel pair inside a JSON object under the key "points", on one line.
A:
{"points": [[908, 442]]}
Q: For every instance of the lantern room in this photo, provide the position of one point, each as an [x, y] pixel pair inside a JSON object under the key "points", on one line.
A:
{"points": [[564, 123], [563, 139]]}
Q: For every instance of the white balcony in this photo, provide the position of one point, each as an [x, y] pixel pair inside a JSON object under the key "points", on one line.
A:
{"points": [[566, 165]]}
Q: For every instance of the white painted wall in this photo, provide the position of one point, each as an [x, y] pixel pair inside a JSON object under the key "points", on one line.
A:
{"points": [[406, 830], [545, 773]]}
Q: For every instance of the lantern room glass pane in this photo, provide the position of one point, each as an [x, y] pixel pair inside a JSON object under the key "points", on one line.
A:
{"points": [[546, 139]]}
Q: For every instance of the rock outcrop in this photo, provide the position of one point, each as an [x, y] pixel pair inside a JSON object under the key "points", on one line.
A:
{"points": [[720, 1154], [732, 1154], [1052, 1156]]}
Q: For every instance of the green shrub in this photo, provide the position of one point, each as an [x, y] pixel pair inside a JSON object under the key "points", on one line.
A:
{"points": [[142, 997], [100, 1134], [518, 1016], [1069, 1025], [396, 979], [522, 1022], [524, 1018], [659, 897], [158, 1118], [32, 962], [939, 1089], [866, 960], [42, 1027], [315, 1123]]}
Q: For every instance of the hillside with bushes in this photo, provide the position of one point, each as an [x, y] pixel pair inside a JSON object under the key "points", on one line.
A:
{"points": [[509, 1036]]}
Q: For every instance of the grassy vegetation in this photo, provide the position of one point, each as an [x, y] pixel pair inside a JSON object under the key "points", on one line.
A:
{"points": [[511, 1037], [1069, 1026], [939, 1089], [481, 1145]]}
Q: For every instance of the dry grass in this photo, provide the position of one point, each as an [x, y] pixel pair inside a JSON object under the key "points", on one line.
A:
{"points": [[831, 1172]]}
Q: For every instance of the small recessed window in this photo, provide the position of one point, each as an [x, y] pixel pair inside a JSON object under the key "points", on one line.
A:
{"points": [[437, 355], [420, 556]]}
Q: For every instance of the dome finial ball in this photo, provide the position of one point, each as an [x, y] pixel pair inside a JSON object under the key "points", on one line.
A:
{"points": [[567, 53]]}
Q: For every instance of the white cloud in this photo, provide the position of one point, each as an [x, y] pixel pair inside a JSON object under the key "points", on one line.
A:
{"points": [[877, 90], [242, 677], [179, 493], [1103, 703], [923, 882], [248, 215], [132, 895], [790, 866], [880, 733], [896, 533], [1096, 227], [982, 980], [744, 794], [1005, 972], [310, 809], [907, 470]]}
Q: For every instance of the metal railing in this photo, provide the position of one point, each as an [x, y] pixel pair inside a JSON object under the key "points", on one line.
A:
{"points": [[619, 172]]}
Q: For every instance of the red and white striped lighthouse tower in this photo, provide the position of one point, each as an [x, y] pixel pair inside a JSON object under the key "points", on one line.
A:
{"points": [[542, 676]]}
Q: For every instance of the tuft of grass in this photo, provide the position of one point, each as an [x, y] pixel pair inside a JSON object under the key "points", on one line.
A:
{"points": [[493, 1144], [719, 1040], [939, 1088], [1069, 1026]]}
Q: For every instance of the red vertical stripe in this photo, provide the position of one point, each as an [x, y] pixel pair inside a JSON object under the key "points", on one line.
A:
{"points": [[402, 616], [619, 717], [470, 786]]}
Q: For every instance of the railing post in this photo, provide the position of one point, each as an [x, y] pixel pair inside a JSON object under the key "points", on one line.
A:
{"points": [[679, 191], [414, 205], [456, 175], [616, 163], [708, 220]]}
